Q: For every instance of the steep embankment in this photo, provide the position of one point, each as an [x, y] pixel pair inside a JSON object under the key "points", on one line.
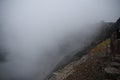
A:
{"points": [[89, 67]]}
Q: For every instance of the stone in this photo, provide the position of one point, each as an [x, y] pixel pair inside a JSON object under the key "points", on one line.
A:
{"points": [[112, 70], [115, 64]]}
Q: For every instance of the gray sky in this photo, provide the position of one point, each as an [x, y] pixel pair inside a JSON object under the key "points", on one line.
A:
{"points": [[78, 10]]}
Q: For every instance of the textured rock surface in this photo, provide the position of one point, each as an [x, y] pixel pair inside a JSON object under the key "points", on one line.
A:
{"points": [[89, 67]]}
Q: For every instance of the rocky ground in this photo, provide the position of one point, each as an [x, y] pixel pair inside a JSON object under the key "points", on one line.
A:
{"points": [[91, 69], [96, 65]]}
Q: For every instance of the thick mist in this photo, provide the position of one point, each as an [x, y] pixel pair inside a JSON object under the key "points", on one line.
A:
{"points": [[37, 34]]}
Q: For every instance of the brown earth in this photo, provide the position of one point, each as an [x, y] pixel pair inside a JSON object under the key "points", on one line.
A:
{"points": [[89, 67]]}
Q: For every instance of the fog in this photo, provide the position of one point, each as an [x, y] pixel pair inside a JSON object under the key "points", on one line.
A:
{"points": [[38, 34]]}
